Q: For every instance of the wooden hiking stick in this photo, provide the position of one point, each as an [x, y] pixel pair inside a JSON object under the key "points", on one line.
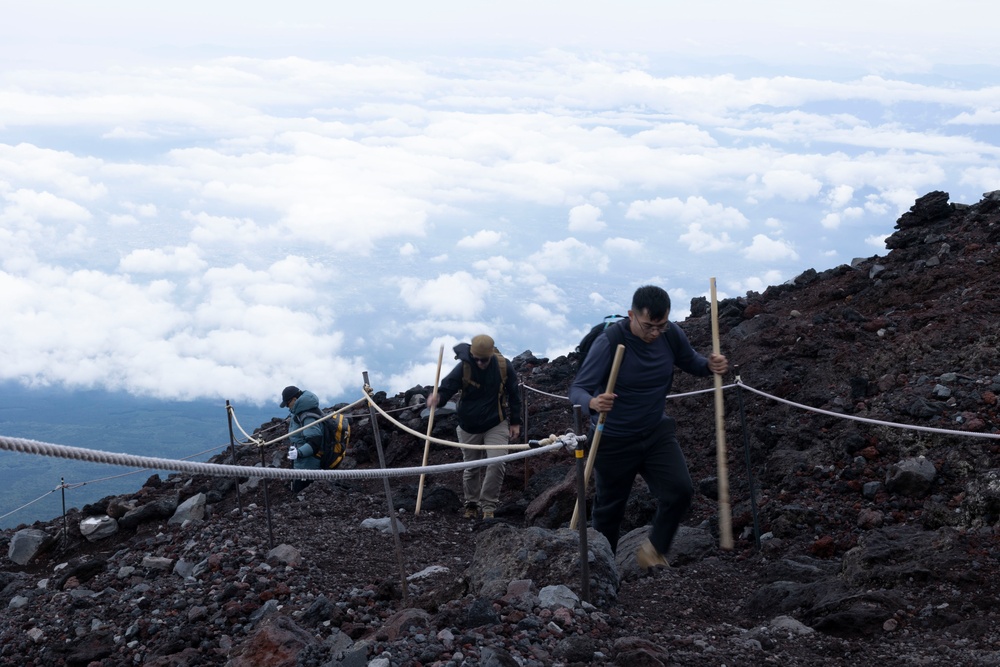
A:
{"points": [[592, 454], [430, 427], [725, 514]]}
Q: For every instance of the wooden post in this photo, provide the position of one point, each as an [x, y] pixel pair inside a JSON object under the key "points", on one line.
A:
{"points": [[619, 352], [430, 427], [725, 514]]}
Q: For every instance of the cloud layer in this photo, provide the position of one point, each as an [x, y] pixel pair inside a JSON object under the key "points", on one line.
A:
{"points": [[229, 225]]}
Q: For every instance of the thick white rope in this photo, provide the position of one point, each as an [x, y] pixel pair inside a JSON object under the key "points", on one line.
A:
{"points": [[544, 393], [449, 443], [879, 422], [669, 396], [302, 428], [26, 446]]}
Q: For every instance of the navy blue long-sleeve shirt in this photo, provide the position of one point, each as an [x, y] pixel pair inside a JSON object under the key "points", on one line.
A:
{"points": [[644, 379]]}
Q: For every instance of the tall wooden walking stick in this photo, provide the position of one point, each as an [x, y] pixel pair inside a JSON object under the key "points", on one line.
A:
{"points": [[725, 514], [597, 432], [430, 427]]}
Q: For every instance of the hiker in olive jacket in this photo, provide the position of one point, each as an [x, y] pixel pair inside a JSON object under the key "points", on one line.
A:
{"points": [[305, 445], [489, 413]]}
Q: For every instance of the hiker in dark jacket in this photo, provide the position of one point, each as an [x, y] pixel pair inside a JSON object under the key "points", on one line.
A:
{"points": [[638, 437], [305, 445], [489, 413]]}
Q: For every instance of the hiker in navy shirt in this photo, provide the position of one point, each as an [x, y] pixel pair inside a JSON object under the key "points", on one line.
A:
{"points": [[638, 436]]}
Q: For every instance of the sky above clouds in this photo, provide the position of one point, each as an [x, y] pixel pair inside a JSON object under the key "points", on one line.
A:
{"points": [[219, 199]]}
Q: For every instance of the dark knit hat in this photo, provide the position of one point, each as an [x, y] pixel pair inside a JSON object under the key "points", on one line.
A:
{"points": [[288, 393]]}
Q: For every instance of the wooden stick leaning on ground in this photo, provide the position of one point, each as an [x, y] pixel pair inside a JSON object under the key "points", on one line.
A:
{"points": [[725, 514], [592, 454], [430, 427]]}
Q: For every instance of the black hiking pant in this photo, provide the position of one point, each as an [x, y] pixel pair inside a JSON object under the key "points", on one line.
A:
{"points": [[657, 457]]}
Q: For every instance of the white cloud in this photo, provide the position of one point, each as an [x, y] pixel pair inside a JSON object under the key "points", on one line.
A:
{"points": [[408, 250], [171, 260], [568, 254], [790, 184], [692, 210], [986, 179], [449, 295], [618, 244], [902, 198], [598, 300], [874, 205], [496, 269], [125, 133], [481, 239], [414, 375], [765, 249], [216, 229], [539, 315], [758, 283], [840, 196], [585, 218], [830, 221], [122, 220], [28, 205], [698, 240], [142, 210], [977, 117]]}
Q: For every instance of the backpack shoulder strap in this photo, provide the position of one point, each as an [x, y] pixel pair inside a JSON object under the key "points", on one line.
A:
{"points": [[311, 413], [502, 364], [466, 374], [673, 337], [615, 333]]}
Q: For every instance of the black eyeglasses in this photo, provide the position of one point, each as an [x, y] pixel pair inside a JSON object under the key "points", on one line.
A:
{"points": [[649, 327], [481, 360]]}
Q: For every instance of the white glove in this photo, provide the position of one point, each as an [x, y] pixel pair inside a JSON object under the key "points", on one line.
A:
{"points": [[293, 453]]}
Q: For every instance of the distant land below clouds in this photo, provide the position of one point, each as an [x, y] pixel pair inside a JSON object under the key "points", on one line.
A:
{"points": [[110, 422]]}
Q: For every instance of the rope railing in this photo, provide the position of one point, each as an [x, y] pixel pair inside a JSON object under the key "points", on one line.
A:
{"points": [[449, 443], [522, 451], [669, 396], [867, 420], [26, 446]]}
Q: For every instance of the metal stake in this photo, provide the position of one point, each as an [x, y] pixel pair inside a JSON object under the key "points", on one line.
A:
{"points": [[388, 491], [581, 505], [62, 486], [746, 451], [267, 505], [524, 428], [232, 447]]}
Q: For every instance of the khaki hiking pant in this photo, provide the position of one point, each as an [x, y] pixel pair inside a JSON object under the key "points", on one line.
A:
{"points": [[481, 485]]}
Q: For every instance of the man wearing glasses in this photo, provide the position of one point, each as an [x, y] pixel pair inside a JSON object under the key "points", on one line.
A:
{"points": [[489, 413], [638, 436]]}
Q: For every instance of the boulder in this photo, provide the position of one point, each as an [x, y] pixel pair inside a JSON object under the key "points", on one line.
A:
{"points": [[27, 544], [192, 509], [547, 557], [96, 528]]}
